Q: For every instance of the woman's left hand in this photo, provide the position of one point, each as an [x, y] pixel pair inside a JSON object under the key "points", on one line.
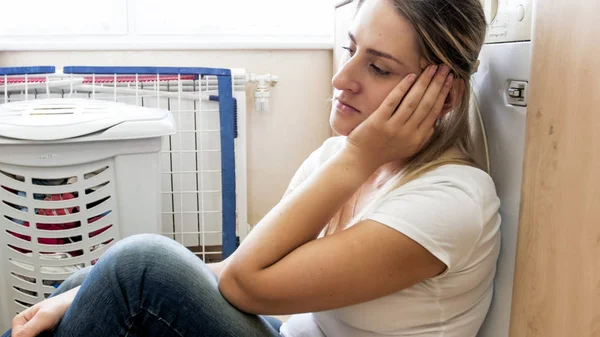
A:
{"points": [[398, 131]]}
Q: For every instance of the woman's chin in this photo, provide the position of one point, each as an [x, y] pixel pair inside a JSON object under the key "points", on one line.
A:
{"points": [[341, 127], [341, 130]]}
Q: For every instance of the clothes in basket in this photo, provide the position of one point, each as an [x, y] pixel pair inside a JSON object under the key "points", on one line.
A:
{"points": [[54, 226]]}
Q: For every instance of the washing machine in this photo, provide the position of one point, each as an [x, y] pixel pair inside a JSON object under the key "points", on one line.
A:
{"points": [[498, 109]]}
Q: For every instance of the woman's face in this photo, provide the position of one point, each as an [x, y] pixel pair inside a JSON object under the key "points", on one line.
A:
{"points": [[382, 50]]}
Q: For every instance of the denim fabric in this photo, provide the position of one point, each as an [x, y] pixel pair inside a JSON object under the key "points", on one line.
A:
{"points": [[150, 286]]}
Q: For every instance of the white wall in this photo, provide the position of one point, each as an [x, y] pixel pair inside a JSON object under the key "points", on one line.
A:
{"points": [[278, 140]]}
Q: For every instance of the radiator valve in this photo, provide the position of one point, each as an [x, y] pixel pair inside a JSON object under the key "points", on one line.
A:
{"points": [[262, 92]]}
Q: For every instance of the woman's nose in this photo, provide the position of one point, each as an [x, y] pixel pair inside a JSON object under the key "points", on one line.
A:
{"points": [[346, 77]]}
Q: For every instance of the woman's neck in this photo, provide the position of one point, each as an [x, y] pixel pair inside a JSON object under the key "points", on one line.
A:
{"points": [[385, 172]]}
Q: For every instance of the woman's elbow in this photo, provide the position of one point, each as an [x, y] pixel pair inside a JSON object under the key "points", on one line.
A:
{"points": [[239, 294]]}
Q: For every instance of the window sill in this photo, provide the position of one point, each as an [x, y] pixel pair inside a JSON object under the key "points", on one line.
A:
{"points": [[170, 42]]}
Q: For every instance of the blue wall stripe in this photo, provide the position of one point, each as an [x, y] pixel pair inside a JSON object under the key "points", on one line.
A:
{"points": [[226, 112], [37, 70]]}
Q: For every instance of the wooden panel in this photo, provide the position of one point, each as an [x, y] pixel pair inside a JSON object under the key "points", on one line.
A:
{"points": [[557, 281]]}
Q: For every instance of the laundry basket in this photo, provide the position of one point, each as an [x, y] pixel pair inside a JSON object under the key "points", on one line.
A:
{"points": [[76, 175]]}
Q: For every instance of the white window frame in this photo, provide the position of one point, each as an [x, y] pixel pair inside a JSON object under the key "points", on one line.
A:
{"points": [[84, 25]]}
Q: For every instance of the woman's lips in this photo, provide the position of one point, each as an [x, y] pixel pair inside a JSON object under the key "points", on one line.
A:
{"points": [[345, 108]]}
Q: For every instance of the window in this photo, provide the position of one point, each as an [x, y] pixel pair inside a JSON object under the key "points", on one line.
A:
{"points": [[166, 24]]}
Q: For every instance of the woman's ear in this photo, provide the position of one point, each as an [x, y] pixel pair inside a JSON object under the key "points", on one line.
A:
{"points": [[454, 96]]}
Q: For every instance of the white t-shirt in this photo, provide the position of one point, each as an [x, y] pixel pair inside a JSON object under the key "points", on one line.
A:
{"points": [[452, 211]]}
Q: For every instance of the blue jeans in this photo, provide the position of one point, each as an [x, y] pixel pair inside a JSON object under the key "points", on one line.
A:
{"points": [[147, 286]]}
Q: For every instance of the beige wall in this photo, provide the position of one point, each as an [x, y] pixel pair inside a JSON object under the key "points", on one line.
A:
{"points": [[278, 140]]}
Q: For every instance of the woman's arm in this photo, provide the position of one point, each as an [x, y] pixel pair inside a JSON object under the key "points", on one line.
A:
{"points": [[281, 268]]}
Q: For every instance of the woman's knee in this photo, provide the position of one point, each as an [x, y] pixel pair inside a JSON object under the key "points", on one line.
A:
{"points": [[140, 247], [155, 262], [145, 252], [130, 251], [75, 280]]}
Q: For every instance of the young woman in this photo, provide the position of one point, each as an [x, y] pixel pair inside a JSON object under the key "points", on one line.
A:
{"points": [[387, 230]]}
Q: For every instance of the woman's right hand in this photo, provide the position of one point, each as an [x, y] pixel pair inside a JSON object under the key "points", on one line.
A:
{"points": [[404, 122], [43, 316]]}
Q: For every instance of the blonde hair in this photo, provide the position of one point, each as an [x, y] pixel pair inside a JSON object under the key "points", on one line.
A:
{"points": [[449, 32]]}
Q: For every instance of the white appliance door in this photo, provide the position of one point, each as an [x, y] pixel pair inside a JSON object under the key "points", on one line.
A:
{"points": [[501, 64]]}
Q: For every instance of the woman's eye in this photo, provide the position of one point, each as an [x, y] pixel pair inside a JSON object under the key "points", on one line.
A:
{"points": [[379, 71], [375, 68], [350, 51]]}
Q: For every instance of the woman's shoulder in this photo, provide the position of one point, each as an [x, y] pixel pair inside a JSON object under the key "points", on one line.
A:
{"points": [[449, 210], [466, 180], [461, 175]]}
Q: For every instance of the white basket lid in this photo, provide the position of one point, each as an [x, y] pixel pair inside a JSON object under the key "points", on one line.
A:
{"points": [[66, 118]]}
